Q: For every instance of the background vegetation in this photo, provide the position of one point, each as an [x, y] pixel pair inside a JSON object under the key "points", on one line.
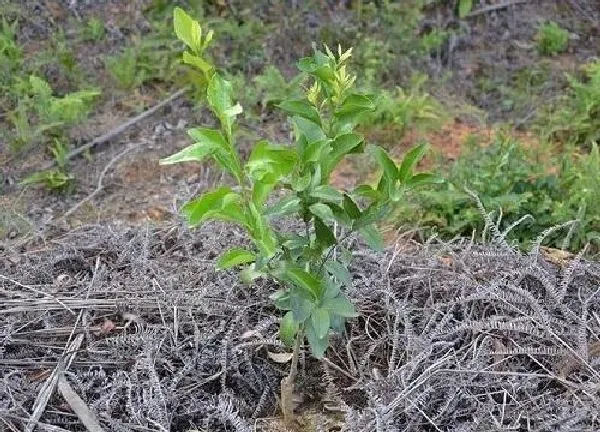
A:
{"points": [[520, 134]]}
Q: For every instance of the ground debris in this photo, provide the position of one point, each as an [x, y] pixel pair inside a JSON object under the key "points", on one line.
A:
{"points": [[168, 343]]}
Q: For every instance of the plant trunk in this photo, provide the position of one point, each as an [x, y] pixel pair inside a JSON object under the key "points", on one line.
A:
{"points": [[287, 384]]}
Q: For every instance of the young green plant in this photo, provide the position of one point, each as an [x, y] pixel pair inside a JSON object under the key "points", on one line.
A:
{"points": [[311, 276]]}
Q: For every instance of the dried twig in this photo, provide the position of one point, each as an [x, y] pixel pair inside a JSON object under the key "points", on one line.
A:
{"points": [[78, 406], [48, 388], [99, 186], [120, 129], [495, 7]]}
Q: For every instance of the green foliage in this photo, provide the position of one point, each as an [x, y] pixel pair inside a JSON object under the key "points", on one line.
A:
{"points": [[551, 39], [57, 179], [93, 30], [39, 114], [145, 61], [464, 7], [512, 184], [271, 87], [575, 118], [324, 121], [11, 54], [405, 110]]}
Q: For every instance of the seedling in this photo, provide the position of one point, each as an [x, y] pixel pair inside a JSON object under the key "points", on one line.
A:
{"points": [[310, 266], [552, 39]]}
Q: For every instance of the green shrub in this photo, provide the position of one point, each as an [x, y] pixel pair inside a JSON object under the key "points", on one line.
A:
{"points": [[511, 184], [575, 118], [551, 39], [404, 110], [93, 30], [310, 273]]}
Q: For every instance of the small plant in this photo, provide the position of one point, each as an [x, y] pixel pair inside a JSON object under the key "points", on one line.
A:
{"points": [[11, 54], [551, 39], [309, 266], [93, 30], [511, 183], [405, 109], [57, 179], [575, 118], [39, 113]]}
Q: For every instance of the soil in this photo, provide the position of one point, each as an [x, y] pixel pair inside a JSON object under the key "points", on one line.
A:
{"points": [[458, 338]]}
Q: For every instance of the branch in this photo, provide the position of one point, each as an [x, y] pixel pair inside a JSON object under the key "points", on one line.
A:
{"points": [[495, 7], [119, 129]]}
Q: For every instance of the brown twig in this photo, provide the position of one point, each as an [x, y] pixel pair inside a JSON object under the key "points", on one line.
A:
{"points": [[99, 186], [119, 129], [78, 406], [495, 7]]}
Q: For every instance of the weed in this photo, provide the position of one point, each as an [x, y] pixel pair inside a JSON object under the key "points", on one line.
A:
{"points": [[11, 54], [575, 118], [510, 182], [404, 110], [58, 179], [310, 272], [39, 115], [93, 30], [551, 39]]}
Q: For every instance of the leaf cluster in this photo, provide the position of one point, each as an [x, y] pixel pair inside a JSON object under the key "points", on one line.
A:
{"points": [[311, 266], [551, 39], [513, 183]]}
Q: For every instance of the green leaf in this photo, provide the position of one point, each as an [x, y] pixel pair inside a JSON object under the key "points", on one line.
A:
{"points": [[234, 257], [309, 129], [411, 159], [325, 236], [372, 236], [302, 307], [353, 106], [367, 192], [322, 211], [313, 152], [261, 233], [267, 158], [327, 193], [464, 8], [187, 29], [351, 208], [374, 213], [304, 280], [288, 205], [387, 164], [421, 179], [340, 147], [281, 299], [320, 321], [300, 183], [221, 203], [318, 346], [339, 271], [250, 273], [332, 288], [288, 329], [341, 306], [302, 109], [209, 142], [196, 61], [340, 215], [219, 96]]}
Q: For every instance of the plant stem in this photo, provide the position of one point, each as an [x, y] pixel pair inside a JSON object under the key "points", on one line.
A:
{"points": [[287, 384]]}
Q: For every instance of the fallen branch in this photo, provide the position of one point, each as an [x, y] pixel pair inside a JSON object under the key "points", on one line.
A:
{"points": [[85, 415], [119, 129], [100, 184], [51, 382], [492, 8]]}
